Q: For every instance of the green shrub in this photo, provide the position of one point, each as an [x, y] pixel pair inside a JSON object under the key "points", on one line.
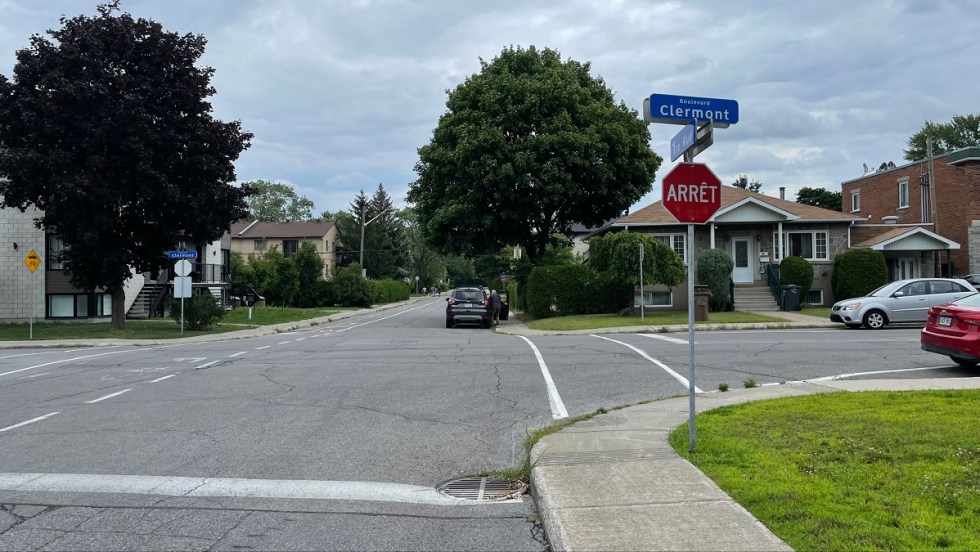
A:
{"points": [[559, 290], [857, 272], [715, 271], [321, 294], [201, 311], [350, 289], [606, 293], [796, 271], [389, 291]]}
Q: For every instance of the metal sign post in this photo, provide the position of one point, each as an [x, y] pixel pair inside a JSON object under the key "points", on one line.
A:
{"points": [[690, 328], [182, 285], [32, 261]]}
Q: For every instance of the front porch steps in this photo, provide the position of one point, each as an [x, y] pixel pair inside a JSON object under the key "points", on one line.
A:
{"points": [[755, 299]]}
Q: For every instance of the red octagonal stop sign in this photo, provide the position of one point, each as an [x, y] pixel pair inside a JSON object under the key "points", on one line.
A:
{"points": [[692, 193]]}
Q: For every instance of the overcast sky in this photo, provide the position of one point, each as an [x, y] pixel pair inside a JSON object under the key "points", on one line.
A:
{"points": [[340, 94]]}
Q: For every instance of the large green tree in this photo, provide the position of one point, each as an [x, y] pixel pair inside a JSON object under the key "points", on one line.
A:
{"points": [[962, 131], [387, 232], [106, 128], [819, 197], [277, 202], [526, 147]]}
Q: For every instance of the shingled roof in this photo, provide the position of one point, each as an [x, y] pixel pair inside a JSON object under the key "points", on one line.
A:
{"points": [[656, 214], [262, 230]]}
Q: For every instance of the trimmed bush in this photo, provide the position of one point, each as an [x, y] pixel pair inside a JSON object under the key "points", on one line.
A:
{"points": [[605, 293], [201, 311], [321, 293], [715, 271], [797, 271], [559, 290], [389, 291], [857, 272], [350, 289]]}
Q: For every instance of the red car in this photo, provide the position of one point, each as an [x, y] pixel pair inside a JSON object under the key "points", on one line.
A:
{"points": [[953, 329]]}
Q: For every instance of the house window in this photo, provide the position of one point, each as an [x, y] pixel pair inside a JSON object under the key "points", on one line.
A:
{"points": [[815, 297], [855, 201], [289, 247], [55, 250], [653, 299], [812, 246], [79, 305], [903, 193], [258, 245], [675, 242]]}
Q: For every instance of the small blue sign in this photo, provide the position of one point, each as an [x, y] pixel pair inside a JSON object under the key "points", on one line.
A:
{"points": [[681, 110], [682, 141], [182, 254]]}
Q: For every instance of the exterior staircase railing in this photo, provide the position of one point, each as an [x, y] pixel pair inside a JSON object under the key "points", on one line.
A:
{"points": [[772, 278]]}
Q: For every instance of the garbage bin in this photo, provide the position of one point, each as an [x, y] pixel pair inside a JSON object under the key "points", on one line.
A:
{"points": [[791, 297], [701, 296]]}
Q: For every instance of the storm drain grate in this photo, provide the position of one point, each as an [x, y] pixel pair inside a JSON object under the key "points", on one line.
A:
{"points": [[482, 488]]}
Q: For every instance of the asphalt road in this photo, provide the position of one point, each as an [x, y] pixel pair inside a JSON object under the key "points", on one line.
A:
{"points": [[335, 437]]}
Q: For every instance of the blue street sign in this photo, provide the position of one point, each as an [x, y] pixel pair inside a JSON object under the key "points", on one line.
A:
{"points": [[182, 254], [680, 110], [682, 141]]}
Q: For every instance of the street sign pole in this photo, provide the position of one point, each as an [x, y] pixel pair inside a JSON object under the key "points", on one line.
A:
{"points": [[690, 327], [33, 302], [641, 283]]}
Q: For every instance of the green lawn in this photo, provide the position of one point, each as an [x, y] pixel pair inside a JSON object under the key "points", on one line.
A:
{"points": [[819, 312], [160, 328], [850, 471], [593, 321]]}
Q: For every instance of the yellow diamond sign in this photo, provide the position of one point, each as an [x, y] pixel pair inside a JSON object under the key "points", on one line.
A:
{"points": [[32, 260]]}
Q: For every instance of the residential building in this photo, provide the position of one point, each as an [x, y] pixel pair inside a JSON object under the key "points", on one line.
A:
{"points": [[255, 237], [757, 231], [918, 236]]}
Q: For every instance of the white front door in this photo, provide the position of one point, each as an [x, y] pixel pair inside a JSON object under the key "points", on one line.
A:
{"points": [[744, 272]]}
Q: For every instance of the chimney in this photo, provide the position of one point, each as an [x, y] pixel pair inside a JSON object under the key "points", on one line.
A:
{"points": [[782, 192]]}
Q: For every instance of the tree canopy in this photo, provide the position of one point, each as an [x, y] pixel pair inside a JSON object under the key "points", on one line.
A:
{"points": [[106, 128], [526, 147], [962, 131], [743, 182], [819, 197], [277, 202]]}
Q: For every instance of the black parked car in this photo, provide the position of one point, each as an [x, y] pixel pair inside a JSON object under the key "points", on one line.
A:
{"points": [[467, 306]]}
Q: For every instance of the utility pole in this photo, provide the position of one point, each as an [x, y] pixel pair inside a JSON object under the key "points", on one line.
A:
{"points": [[932, 196], [363, 224]]}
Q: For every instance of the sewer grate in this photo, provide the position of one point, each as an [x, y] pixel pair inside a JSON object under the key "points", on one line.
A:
{"points": [[482, 488]]}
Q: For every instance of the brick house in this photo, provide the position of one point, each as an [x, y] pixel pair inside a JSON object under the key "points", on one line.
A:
{"points": [[899, 219], [253, 237], [757, 231]]}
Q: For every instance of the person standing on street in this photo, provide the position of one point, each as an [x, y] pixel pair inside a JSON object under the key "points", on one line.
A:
{"points": [[494, 306]]}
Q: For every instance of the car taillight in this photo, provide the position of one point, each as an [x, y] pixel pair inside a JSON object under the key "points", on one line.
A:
{"points": [[973, 320], [452, 302], [486, 303]]}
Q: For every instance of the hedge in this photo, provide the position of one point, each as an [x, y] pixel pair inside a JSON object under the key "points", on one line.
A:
{"points": [[715, 271], [798, 271], [857, 272], [389, 291]]}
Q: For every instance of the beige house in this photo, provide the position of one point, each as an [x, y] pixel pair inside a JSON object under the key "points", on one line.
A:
{"points": [[258, 237]]}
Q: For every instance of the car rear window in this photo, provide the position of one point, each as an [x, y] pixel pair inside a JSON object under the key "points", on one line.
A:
{"points": [[469, 296], [969, 301]]}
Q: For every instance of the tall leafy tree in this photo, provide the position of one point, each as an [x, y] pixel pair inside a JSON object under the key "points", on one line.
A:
{"points": [[819, 197], [423, 261], [962, 131], [277, 202], [526, 147], [106, 128], [743, 182]]}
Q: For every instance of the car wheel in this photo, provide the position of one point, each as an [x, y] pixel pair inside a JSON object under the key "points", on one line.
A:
{"points": [[966, 363], [875, 320], [449, 322]]}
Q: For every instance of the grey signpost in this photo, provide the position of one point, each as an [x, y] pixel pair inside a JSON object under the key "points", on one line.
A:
{"points": [[701, 195], [182, 285]]}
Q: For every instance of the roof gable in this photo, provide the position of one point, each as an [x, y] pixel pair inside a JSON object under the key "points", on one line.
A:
{"points": [[908, 239]]}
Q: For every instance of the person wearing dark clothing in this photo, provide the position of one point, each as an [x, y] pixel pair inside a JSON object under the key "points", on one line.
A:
{"points": [[494, 306]]}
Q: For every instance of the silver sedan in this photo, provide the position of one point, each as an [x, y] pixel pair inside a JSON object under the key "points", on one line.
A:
{"points": [[899, 301]]}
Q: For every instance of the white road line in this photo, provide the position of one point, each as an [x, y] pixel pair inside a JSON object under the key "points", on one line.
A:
{"points": [[64, 361], [158, 380], [262, 347], [34, 376], [857, 374], [232, 487], [666, 368], [352, 326], [240, 353], [300, 338], [206, 364], [109, 396], [667, 339], [283, 342], [31, 421], [53, 351], [557, 407]]}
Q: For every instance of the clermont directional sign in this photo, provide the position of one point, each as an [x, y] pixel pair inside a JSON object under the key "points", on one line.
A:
{"points": [[182, 254], [692, 193], [681, 110]]}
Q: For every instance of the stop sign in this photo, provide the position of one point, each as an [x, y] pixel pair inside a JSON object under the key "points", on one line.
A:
{"points": [[692, 193]]}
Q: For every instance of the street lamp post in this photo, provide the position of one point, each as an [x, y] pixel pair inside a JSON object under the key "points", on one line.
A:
{"points": [[363, 224], [416, 285]]}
